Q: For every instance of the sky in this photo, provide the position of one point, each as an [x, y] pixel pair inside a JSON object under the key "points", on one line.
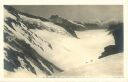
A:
{"points": [[83, 13]]}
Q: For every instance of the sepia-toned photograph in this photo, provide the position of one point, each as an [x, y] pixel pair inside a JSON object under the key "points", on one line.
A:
{"points": [[63, 41]]}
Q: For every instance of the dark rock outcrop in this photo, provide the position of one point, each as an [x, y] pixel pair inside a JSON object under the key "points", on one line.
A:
{"points": [[117, 31], [67, 25]]}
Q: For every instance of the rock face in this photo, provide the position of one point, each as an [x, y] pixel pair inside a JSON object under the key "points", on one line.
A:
{"points": [[117, 31], [69, 26], [22, 46]]}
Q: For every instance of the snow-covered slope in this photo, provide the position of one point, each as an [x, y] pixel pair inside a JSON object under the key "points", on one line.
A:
{"points": [[23, 48], [37, 47]]}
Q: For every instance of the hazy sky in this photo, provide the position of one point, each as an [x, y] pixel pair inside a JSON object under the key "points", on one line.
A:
{"points": [[76, 12]]}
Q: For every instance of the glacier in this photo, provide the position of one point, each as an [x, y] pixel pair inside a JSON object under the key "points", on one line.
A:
{"points": [[38, 47]]}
